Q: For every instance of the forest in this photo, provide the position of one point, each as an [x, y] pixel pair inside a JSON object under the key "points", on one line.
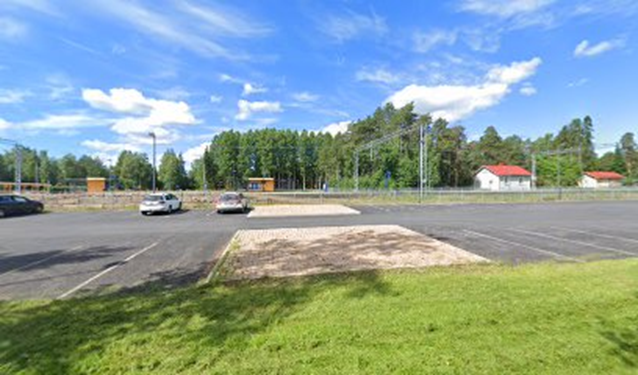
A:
{"points": [[303, 160]]}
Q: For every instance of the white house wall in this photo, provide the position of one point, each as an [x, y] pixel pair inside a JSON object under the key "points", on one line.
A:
{"points": [[487, 180]]}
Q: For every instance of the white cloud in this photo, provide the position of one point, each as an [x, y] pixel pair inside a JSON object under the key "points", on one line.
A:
{"points": [[228, 78], [504, 8], [128, 101], [528, 90], [454, 102], [65, 121], [4, 124], [250, 89], [194, 28], [11, 29], [109, 147], [142, 115], [246, 108], [194, 153], [13, 96], [42, 6], [352, 25], [378, 75], [424, 42], [585, 49], [215, 99], [305, 97], [174, 93], [578, 83], [515, 72], [336, 128], [225, 21], [59, 86]]}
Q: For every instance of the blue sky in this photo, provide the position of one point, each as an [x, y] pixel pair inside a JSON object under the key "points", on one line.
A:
{"points": [[94, 77]]}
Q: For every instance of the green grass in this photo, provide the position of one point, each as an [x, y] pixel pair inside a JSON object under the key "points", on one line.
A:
{"points": [[490, 319]]}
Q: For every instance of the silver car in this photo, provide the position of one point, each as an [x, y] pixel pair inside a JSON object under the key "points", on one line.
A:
{"points": [[232, 202], [160, 202]]}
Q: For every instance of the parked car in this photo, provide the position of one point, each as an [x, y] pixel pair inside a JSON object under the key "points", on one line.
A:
{"points": [[160, 202], [18, 205], [232, 202]]}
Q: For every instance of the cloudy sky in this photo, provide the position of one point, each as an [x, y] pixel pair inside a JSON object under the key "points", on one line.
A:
{"points": [[97, 76]]}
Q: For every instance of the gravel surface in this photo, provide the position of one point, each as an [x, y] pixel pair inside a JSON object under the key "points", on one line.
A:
{"points": [[302, 210], [306, 251]]}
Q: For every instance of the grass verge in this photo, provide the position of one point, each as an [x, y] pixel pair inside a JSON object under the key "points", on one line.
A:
{"points": [[548, 318]]}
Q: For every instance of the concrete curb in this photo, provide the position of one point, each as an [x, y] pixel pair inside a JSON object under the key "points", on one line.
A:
{"points": [[221, 259]]}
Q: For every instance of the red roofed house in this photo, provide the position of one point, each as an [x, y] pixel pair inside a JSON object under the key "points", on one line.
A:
{"points": [[503, 178], [597, 180]]}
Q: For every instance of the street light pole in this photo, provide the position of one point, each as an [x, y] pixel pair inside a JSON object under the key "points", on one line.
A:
{"points": [[152, 135]]}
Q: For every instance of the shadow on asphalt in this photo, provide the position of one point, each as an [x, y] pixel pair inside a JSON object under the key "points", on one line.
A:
{"points": [[46, 259]]}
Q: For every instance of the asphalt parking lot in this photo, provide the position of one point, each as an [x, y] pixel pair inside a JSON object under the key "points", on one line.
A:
{"points": [[63, 255]]}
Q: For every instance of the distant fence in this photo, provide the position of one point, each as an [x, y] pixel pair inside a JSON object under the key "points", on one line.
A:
{"points": [[201, 199]]}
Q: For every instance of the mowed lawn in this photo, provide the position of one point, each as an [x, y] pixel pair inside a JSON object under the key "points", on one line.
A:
{"points": [[549, 318]]}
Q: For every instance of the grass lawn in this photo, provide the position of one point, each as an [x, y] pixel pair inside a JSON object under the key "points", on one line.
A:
{"points": [[548, 318]]}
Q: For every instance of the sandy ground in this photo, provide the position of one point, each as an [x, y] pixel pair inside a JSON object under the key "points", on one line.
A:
{"points": [[306, 251], [302, 210]]}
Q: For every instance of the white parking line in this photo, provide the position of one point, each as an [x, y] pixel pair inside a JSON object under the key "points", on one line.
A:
{"points": [[35, 263], [104, 272], [606, 248], [533, 248], [600, 235]]}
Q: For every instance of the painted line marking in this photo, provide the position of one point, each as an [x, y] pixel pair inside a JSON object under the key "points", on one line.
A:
{"points": [[104, 272], [533, 248], [599, 235], [35, 263], [606, 248]]}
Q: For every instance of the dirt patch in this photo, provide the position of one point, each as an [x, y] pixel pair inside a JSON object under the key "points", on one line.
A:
{"points": [[306, 251], [302, 210]]}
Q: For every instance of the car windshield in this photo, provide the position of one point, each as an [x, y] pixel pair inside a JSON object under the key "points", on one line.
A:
{"points": [[153, 198], [229, 197]]}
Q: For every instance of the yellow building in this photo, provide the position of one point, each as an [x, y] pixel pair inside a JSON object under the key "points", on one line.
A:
{"points": [[95, 185], [263, 184]]}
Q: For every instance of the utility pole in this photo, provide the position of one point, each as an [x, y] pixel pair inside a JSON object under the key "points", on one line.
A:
{"points": [[356, 171], [534, 171], [18, 168], [421, 177], [152, 135]]}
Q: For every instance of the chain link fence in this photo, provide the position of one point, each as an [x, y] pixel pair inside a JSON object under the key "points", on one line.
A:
{"points": [[201, 199]]}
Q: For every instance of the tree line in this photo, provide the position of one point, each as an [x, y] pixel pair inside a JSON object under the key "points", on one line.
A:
{"points": [[308, 160]]}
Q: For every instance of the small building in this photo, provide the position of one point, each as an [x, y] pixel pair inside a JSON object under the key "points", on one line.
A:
{"points": [[95, 185], [601, 180], [262, 184], [503, 178]]}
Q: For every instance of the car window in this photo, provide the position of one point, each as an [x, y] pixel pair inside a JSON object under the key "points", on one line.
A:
{"points": [[20, 199], [229, 197], [4, 199], [153, 198]]}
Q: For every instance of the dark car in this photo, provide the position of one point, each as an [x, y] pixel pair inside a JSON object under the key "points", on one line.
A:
{"points": [[17, 205]]}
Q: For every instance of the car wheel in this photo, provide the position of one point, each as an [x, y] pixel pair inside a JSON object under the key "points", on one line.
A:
{"points": [[39, 209], [179, 208], [2, 213], [170, 210], [144, 213]]}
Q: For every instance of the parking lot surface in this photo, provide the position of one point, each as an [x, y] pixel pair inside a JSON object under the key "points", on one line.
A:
{"points": [[63, 255]]}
